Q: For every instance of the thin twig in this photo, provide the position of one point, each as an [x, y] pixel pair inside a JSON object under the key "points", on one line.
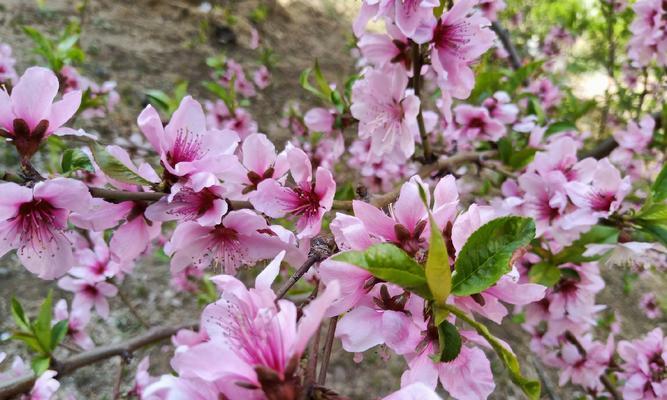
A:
{"points": [[504, 36], [328, 345], [320, 249], [313, 351], [416, 85], [23, 384], [119, 378], [123, 297]]}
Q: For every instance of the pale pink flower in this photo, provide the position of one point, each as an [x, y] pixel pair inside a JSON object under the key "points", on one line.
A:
{"points": [[258, 337], [77, 319], [320, 119], [490, 8], [459, 38], [95, 260], [308, 200], [206, 206], [133, 231], [650, 305], [34, 220], [258, 162], [548, 93], [561, 155], [636, 137], [414, 391], [501, 108], [455, 376], [186, 147], [242, 238], [585, 370], [7, 62], [29, 115], [649, 33], [644, 367], [45, 386], [89, 293], [475, 123], [385, 316], [410, 16], [169, 387], [601, 197], [142, 379], [382, 49], [387, 114], [262, 77]]}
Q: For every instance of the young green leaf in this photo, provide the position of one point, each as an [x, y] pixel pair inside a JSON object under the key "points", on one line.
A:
{"points": [[449, 342], [39, 364], [114, 168], [545, 274], [487, 253], [58, 333], [42, 326], [30, 340], [75, 159], [574, 253], [659, 187], [389, 263], [19, 316], [437, 270], [530, 387]]}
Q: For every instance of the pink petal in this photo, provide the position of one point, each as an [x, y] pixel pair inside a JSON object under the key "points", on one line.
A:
{"points": [[313, 314], [63, 110], [151, 125], [33, 95]]}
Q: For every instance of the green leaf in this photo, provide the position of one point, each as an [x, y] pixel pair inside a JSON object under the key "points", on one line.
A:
{"points": [[437, 269], [344, 192], [39, 364], [389, 263], [67, 43], [30, 340], [520, 158], [487, 253], [658, 231], [42, 326], [449, 342], [159, 98], [321, 81], [599, 234], [115, 169], [545, 274], [58, 333], [560, 126], [19, 316], [659, 187], [653, 212], [530, 387], [75, 159]]}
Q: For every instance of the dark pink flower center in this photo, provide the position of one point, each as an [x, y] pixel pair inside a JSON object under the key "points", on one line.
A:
{"points": [[452, 37], [600, 201], [187, 147], [306, 201]]}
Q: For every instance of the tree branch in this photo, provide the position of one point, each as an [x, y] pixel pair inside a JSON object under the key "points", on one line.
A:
{"points": [[320, 249], [24, 384], [416, 85], [504, 36]]}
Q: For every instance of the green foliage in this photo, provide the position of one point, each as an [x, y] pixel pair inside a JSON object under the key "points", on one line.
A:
{"points": [[389, 263], [75, 160], [115, 169], [39, 335], [530, 387], [165, 102], [487, 253], [449, 342], [58, 52], [598, 234], [545, 274]]}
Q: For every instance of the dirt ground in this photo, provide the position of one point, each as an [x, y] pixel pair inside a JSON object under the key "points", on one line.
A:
{"points": [[153, 44]]}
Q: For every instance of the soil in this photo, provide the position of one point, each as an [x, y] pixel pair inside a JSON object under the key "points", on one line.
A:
{"points": [[154, 44]]}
